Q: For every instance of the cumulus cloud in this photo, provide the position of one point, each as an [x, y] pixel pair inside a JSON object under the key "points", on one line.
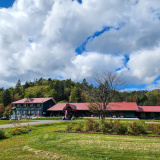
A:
{"points": [[89, 64], [38, 39]]}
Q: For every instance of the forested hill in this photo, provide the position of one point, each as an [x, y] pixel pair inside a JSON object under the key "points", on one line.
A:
{"points": [[69, 91]]}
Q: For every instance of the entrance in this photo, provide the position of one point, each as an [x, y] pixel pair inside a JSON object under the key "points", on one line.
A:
{"points": [[69, 113]]}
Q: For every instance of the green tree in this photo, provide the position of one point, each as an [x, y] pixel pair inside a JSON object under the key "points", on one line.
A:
{"points": [[2, 109], [8, 112], [59, 88], [76, 95], [6, 97], [141, 99]]}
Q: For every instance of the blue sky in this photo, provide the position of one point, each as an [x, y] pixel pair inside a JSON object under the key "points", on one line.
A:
{"points": [[77, 39], [6, 3]]}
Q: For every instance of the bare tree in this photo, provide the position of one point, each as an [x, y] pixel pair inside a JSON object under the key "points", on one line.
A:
{"points": [[106, 86]]}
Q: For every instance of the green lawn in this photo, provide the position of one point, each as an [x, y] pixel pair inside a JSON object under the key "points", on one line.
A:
{"points": [[48, 118], [43, 143]]}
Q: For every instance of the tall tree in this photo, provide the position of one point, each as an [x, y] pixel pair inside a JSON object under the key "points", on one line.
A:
{"points": [[2, 109], [18, 83], [76, 95], [107, 84], [6, 97]]}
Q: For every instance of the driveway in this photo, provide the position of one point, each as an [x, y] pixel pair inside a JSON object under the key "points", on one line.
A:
{"points": [[31, 123]]}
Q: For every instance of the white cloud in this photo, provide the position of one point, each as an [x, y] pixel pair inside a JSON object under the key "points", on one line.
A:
{"points": [[145, 65], [38, 39], [88, 64]]}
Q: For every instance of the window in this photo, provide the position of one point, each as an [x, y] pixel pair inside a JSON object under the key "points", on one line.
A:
{"points": [[152, 114], [29, 112], [24, 112], [36, 112], [24, 105], [32, 112], [38, 105], [31, 105], [18, 105], [143, 115], [18, 112]]}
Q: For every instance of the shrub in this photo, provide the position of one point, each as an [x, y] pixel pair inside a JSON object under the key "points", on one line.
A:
{"points": [[137, 128], [103, 127], [18, 131], [89, 124], [116, 125], [96, 127], [119, 128], [122, 129], [107, 127], [2, 134], [79, 127], [154, 128], [69, 127]]}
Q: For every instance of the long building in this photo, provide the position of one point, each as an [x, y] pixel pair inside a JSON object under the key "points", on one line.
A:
{"points": [[116, 109], [33, 107]]}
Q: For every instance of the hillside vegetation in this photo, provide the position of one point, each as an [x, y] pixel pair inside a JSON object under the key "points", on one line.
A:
{"points": [[70, 91]]}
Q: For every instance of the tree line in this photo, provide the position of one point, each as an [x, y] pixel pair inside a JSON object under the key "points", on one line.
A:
{"points": [[70, 91]]}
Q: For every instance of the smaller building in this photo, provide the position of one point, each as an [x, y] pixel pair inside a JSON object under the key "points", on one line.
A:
{"points": [[116, 109], [31, 107], [148, 112]]}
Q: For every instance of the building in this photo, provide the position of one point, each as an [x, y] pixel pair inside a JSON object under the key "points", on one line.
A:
{"points": [[148, 112], [31, 107], [116, 109]]}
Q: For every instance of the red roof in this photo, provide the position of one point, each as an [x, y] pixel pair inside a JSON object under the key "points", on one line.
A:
{"points": [[125, 106], [149, 108], [122, 106], [33, 100], [74, 106]]}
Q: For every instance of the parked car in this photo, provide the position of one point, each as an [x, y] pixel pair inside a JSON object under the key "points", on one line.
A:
{"points": [[3, 118]]}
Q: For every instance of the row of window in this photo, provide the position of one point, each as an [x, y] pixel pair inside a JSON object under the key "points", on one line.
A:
{"points": [[26, 112], [152, 114], [29, 105]]}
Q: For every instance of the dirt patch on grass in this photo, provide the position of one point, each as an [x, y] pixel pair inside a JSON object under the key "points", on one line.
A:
{"points": [[46, 155]]}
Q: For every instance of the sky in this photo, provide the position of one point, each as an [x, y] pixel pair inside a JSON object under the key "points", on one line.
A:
{"points": [[76, 39]]}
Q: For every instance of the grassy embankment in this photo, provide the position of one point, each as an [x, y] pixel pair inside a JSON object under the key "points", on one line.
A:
{"points": [[43, 143]]}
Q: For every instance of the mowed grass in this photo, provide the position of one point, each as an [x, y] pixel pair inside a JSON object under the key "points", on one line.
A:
{"points": [[48, 118], [44, 143]]}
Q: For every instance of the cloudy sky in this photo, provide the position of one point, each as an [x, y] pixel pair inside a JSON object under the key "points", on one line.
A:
{"points": [[78, 38]]}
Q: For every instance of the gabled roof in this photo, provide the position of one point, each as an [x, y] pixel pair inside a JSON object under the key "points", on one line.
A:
{"points": [[117, 106], [33, 100], [74, 106], [149, 108]]}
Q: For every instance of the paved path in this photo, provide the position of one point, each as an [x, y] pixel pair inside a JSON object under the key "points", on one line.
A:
{"points": [[31, 123]]}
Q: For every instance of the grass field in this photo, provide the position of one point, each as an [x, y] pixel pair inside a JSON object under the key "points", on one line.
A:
{"points": [[48, 118], [12, 121], [43, 143]]}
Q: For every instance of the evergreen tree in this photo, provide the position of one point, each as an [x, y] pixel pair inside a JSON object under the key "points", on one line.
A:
{"points": [[6, 97]]}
